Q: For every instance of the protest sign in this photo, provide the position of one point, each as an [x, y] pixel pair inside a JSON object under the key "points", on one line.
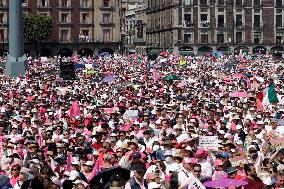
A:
{"points": [[277, 143], [208, 142], [195, 184], [130, 114], [62, 91], [238, 158]]}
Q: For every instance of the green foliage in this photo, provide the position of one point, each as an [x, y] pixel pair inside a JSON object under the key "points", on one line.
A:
{"points": [[37, 27]]}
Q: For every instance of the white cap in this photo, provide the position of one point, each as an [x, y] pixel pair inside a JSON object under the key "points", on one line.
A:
{"points": [[89, 163], [153, 185], [73, 175]]}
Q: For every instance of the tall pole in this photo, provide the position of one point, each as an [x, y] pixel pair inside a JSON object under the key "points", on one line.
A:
{"points": [[17, 61]]}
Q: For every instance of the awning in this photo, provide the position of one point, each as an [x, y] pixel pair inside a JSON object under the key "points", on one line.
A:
{"points": [[186, 53], [155, 52]]}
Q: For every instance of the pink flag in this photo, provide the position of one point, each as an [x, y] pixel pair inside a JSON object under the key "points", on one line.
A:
{"points": [[248, 83], [75, 109], [98, 165]]}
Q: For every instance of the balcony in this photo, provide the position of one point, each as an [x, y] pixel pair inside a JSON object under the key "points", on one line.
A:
{"points": [[68, 23], [109, 8], [139, 40], [107, 24], [86, 23], [44, 7], [86, 8], [65, 6], [240, 27]]}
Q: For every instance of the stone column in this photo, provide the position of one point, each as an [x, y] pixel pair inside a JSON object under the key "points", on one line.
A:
{"points": [[16, 61]]}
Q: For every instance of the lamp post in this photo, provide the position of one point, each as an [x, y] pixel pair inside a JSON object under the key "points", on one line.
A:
{"points": [[17, 61]]}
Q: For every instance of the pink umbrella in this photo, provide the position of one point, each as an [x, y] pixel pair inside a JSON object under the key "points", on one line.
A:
{"points": [[238, 76], [225, 183], [239, 94]]}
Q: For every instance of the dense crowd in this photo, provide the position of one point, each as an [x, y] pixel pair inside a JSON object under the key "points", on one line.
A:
{"points": [[128, 122]]}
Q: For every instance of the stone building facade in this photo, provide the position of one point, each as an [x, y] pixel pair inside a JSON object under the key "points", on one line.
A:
{"points": [[202, 26], [83, 26]]}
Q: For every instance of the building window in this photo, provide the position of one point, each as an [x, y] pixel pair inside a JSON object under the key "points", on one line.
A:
{"points": [[105, 3], [106, 18], [239, 37], [85, 3], [221, 21], [64, 17], [204, 38], [239, 2], [187, 37], [204, 20], [279, 20], [85, 18], [188, 2], [256, 38], [1, 18], [64, 35], [139, 29], [279, 37], [86, 34], [106, 35], [278, 3], [221, 2], [220, 38], [188, 20], [64, 3], [203, 2], [256, 21], [239, 20], [43, 3], [256, 2]]}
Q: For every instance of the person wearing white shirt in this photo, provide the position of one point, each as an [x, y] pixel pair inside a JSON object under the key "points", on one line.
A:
{"points": [[185, 173]]}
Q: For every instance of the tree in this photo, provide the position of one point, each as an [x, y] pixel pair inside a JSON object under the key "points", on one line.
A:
{"points": [[37, 28]]}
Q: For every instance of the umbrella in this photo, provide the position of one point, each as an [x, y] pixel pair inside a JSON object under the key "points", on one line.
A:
{"points": [[239, 94], [217, 54], [108, 79], [79, 66], [164, 53], [171, 78], [249, 75], [238, 75], [107, 173], [225, 183], [104, 54]]}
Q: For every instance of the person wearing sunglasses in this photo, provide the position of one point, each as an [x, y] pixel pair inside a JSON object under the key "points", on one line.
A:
{"points": [[14, 174]]}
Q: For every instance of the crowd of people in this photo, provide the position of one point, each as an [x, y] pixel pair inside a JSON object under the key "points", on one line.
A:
{"points": [[131, 123]]}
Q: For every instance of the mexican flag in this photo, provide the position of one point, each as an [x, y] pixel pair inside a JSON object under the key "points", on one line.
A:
{"points": [[269, 95]]}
